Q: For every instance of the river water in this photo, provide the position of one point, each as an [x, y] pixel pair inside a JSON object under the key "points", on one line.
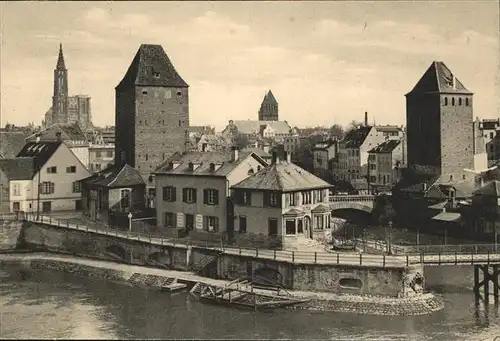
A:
{"points": [[47, 304]]}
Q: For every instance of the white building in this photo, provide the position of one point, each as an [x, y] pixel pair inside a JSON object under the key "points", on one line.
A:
{"points": [[48, 166]]}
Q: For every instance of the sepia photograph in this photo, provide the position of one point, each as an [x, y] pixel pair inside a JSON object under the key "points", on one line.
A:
{"points": [[250, 170]]}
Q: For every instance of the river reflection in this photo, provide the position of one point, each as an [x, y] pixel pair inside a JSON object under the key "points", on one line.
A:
{"points": [[47, 304]]}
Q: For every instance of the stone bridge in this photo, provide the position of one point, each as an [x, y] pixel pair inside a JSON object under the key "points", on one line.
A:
{"points": [[363, 203]]}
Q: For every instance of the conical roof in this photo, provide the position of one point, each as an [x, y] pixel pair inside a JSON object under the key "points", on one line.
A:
{"points": [[269, 98], [439, 79], [60, 59], [152, 67]]}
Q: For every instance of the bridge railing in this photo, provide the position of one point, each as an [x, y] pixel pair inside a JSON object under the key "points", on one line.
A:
{"points": [[351, 198], [452, 249]]}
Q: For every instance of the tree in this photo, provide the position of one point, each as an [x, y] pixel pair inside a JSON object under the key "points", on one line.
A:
{"points": [[240, 141], [337, 130], [353, 125]]}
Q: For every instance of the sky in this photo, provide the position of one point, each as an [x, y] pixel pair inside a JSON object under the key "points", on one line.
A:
{"points": [[326, 62]]}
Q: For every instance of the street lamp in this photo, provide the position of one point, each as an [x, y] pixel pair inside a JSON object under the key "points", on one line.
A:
{"points": [[129, 222], [390, 238]]}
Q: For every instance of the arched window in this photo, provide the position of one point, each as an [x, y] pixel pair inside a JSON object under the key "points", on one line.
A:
{"points": [[446, 101], [460, 101], [250, 171], [453, 101], [258, 168], [146, 157], [467, 101]]}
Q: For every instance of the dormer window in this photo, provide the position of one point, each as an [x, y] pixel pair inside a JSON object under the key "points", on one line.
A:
{"points": [[466, 101], [190, 166], [212, 167], [179, 93], [144, 92], [156, 74]]}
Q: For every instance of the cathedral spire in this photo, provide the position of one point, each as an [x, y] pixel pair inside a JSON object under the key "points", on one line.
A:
{"points": [[60, 59]]}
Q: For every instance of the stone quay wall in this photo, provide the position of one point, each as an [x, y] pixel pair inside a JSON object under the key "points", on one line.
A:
{"points": [[335, 279]]}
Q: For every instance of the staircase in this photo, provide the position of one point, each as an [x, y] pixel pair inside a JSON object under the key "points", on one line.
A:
{"points": [[206, 262]]}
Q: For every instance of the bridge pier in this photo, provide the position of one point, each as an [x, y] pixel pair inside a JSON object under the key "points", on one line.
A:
{"points": [[487, 277]]}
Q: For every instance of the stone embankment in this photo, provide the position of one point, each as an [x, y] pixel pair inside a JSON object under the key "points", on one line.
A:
{"points": [[146, 277]]}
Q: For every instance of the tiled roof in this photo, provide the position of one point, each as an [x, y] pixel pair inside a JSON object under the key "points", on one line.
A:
{"points": [[201, 161], [41, 151], [356, 136], [254, 127], [69, 132], [21, 168], [114, 177], [490, 189], [447, 216], [293, 212], [269, 98], [386, 146], [201, 129], [438, 78], [282, 176], [260, 152], [152, 67], [388, 128], [322, 208], [414, 181], [11, 143]]}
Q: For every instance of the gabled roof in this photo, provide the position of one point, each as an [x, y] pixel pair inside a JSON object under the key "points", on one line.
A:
{"points": [[355, 137], [41, 151], [490, 189], [152, 67], [115, 177], [11, 143], [439, 79], [69, 132], [254, 127], [269, 99], [389, 128], [21, 168], [386, 146], [179, 163], [258, 151], [282, 176]]}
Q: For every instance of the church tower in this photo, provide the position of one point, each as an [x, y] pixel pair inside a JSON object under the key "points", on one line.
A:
{"points": [[151, 113], [60, 97], [439, 120], [269, 108]]}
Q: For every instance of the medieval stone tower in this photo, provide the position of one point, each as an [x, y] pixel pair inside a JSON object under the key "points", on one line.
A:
{"points": [[60, 97], [439, 120], [152, 112], [269, 108]]}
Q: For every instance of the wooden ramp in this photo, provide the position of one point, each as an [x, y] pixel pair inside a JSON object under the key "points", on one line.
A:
{"points": [[241, 293]]}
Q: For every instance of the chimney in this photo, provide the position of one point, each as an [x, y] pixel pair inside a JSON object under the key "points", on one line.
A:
{"points": [[58, 136], [288, 157], [234, 154], [366, 118]]}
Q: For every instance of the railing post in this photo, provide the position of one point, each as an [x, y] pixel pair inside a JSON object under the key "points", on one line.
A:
{"points": [[488, 258], [360, 258], [256, 252], [456, 260], [439, 255], [407, 260], [274, 254], [315, 257], [67, 224], [239, 248], [293, 256], [383, 261], [50, 220], [338, 256], [472, 257]]}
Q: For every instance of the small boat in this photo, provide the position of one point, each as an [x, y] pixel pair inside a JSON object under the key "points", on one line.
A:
{"points": [[174, 287]]}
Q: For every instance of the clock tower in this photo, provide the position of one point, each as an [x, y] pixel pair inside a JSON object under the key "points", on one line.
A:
{"points": [[60, 97]]}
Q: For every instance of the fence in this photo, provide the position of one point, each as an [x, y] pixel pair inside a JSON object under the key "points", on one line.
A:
{"points": [[351, 198], [452, 249]]}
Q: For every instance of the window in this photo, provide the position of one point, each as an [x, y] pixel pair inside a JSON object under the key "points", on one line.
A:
{"points": [[125, 198], [98, 166], [321, 195], [189, 195], [52, 170], [97, 154], [211, 197], [189, 222], [144, 92], [147, 157], [273, 199], [300, 228], [460, 101], [290, 227], [292, 199], [446, 101], [109, 153], [156, 74], [47, 187], [467, 101], [272, 227], [319, 222], [169, 194], [306, 198], [179, 93], [168, 219], [16, 189], [168, 94], [250, 171], [77, 187], [453, 101], [211, 224], [246, 198], [71, 169], [243, 224]]}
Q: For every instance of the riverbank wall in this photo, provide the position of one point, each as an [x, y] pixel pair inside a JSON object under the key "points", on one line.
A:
{"points": [[152, 278]]}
